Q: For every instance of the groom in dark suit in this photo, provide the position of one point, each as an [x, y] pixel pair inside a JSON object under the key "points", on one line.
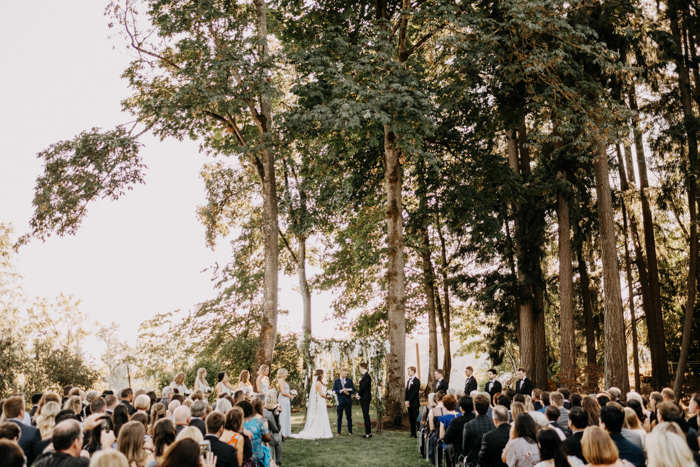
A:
{"points": [[344, 388], [364, 395]]}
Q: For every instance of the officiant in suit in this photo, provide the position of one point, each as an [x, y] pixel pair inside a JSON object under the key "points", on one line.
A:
{"points": [[344, 388], [364, 395]]}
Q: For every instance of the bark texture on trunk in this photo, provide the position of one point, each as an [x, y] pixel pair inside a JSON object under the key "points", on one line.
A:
{"points": [[268, 333], [616, 373], [566, 293], [396, 294], [445, 312], [304, 285], [591, 357]]}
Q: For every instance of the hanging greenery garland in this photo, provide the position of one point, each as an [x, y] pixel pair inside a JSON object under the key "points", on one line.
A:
{"points": [[330, 355]]}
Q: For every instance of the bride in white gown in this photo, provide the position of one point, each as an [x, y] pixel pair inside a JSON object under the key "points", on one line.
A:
{"points": [[317, 425]]}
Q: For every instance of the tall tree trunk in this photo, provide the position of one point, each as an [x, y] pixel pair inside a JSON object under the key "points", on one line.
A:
{"points": [[587, 306], [445, 313], [615, 342], [396, 294], [690, 129], [268, 333], [304, 286], [655, 323], [566, 293], [429, 285], [630, 281]]}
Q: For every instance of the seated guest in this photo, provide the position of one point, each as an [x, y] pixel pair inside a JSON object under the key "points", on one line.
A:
{"points": [[690, 435], [11, 454], [45, 420], [225, 454], [612, 417], [552, 414], [642, 415], [233, 435], [578, 421], [127, 398], [197, 412], [476, 428], [450, 403], [109, 458], [181, 418], [522, 449], [557, 400], [537, 399], [436, 411], [10, 432], [599, 449], [35, 405], [494, 441], [110, 403], [575, 400], [666, 447], [142, 404], [30, 437], [453, 434], [633, 424], [131, 444], [67, 443], [694, 411], [590, 405], [552, 451], [163, 436]]}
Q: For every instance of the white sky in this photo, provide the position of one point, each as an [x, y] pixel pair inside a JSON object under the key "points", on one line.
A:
{"points": [[132, 258]]}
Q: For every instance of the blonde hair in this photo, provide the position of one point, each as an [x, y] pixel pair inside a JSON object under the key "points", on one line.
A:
{"points": [[631, 419], [431, 399], [666, 447], [109, 458], [223, 406], [73, 403], [244, 377], [271, 399], [597, 447], [282, 372], [198, 395], [190, 432], [529, 406], [130, 443], [179, 379], [142, 402], [200, 372], [517, 408], [46, 420], [262, 369]]}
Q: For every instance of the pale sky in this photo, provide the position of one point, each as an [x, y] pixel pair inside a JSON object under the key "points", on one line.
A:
{"points": [[132, 258]]}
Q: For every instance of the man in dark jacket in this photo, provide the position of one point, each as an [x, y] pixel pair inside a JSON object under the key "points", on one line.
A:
{"points": [[364, 395], [453, 434], [30, 438], [67, 440], [494, 441], [493, 386], [225, 454], [127, 397], [412, 399], [578, 421], [470, 384], [524, 385], [440, 384], [477, 427], [612, 417], [198, 408]]}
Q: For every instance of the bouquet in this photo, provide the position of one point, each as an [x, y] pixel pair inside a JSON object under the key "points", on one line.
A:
{"points": [[332, 397], [293, 393]]}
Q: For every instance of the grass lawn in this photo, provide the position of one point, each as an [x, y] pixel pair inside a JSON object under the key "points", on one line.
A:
{"points": [[391, 448]]}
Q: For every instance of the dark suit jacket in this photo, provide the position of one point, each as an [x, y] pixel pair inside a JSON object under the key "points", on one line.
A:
{"points": [[199, 423], [496, 388], [128, 405], [472, 431], [342, 398], [492, 445], [524, 386], [454, 431], [470, 385], [442, 386], [225, 454], [412, 392], [573, 445], [179, 428], [628, 450], [29, 440], [365, 391]]}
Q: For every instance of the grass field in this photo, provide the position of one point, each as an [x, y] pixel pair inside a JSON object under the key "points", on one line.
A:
{"points": [[391, 448]]}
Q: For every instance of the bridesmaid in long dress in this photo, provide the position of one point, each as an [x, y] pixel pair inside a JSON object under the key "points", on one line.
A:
{"points": [[262, 382], [284, 399]]}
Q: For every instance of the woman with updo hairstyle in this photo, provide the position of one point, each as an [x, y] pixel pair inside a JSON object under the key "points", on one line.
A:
{"points": [[157, 413], [285, 401], [262, 382], [46, 420], [73, 403]]}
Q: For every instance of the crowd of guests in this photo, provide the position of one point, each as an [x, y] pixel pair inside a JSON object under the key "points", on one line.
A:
{"points": [[126, 428], [526, 427]]}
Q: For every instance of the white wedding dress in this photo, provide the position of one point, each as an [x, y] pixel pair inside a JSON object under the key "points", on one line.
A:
{"points": [[317, 426]]}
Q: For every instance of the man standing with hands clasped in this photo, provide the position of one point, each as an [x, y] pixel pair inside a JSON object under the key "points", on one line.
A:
{"points": [[344, 388], [364, 395], [412, 398]]}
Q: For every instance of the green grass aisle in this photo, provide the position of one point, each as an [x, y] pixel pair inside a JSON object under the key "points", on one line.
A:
{"points": [[391, 448]]}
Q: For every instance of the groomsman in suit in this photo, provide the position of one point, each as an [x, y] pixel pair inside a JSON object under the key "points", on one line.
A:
{"points": [[364, 395], [30, 438], [470, 384], [441, 384], [412, 399], [493, 387], [524, 384], [344, 388]]}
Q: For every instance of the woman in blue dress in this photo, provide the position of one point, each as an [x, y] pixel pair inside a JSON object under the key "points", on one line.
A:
{"points": [[261, 434]]}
